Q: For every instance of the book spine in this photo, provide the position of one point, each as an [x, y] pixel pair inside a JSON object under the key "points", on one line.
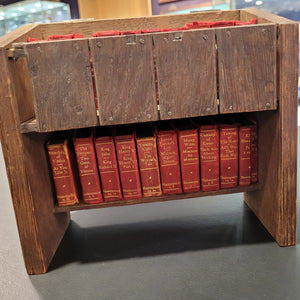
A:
{"points": [[108, 168], [63, 175], [244, 156], [128, 167], [189, 160], [167, 146], [209, 157], [254, 154], [149, 168], [228, 156], [88, 170]]}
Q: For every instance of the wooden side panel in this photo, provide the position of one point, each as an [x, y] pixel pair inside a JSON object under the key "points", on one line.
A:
{"points": [[275, 204], [247, 68], [62, 84], [50, 227], [186, 73], [22, 84], [167, 21], [125, 81], [35, 256]]}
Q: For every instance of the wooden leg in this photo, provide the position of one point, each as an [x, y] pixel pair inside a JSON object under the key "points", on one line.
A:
{"points": [[275, 203], [40, 230]]}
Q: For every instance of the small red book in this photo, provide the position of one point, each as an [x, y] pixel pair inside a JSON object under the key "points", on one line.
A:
{"points": [[107, 164], [254, 153], [64, 170], [229, 155], [209, 157], [244, 155], [83, 140], [148, 161], [169, 166], [189, 155], [128, 164]]}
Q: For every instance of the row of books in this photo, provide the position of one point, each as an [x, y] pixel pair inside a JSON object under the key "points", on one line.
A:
{"points": [[127, 162]]}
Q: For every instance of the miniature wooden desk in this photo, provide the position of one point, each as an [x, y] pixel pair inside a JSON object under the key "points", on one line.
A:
{"points": [[47, 86]]}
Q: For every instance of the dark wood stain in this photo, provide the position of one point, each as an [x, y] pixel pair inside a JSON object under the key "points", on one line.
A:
{"points": [[62, 85], [247, 68], [125, 81], [186, 73]]}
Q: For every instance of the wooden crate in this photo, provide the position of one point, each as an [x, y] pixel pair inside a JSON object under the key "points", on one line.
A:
{"points": [[48, 86]]}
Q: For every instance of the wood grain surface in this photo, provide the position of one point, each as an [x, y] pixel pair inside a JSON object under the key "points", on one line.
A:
{"points": [[125, 81], [186, 73], [26, 206], [60, 74], [81, 206], [167, 21], [247, 68], [275, 204]]}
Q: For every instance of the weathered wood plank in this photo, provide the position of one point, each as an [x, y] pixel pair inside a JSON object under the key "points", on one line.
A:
{"points": [[186, 73], [167, 21], [275, 204], [36, 257], [124, 77], [60, 74], [247, 68], [81, 206]]}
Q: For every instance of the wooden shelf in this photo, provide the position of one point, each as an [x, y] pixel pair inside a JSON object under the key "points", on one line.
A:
{"points": [[29, 126], [51, 89], [83, 206]]}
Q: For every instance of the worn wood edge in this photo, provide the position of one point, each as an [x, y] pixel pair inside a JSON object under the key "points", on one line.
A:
{"points": [[288, 71], [88, 28], [263, 16], [29, 126], [18, 34], [162, 198], [11, 162]]}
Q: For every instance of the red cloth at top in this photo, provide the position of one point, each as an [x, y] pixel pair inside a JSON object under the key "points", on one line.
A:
{"points": [[106, 33], [65, 37]]}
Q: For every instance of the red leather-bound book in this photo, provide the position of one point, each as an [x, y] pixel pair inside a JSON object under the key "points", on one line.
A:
{"points": [[148, 161], [209, 157], [228, 155], [128, 164], [189, 155], [169, 166], [107, 164], [244, 155], [83, 140], [64, 170], [254, 153]]}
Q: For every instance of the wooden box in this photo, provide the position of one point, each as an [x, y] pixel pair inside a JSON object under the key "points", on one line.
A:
{"points": [[47, 86]]}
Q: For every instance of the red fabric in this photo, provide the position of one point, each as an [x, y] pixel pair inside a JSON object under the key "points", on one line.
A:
{"points": [[131, 32], [209, 157], [228, 155], [167, 147], [149, 168], [88, 169], [106, 33], [151, 30], [128, 166], [29, 40], [244, 155], [64, 172], [108, 168], [189, 159], [65, 37]]}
